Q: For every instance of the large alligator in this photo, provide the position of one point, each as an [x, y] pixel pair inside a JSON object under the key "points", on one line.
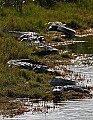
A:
{"points": [[63, 85], [60, 27]]}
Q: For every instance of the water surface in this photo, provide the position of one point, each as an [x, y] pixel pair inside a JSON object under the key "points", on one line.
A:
{"points": [[68, 110], [74, 109]]}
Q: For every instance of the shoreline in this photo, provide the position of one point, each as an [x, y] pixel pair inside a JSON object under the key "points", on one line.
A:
{"points": [[15, 107], [19, 106]]}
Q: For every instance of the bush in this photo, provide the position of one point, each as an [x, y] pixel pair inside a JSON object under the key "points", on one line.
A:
{"points": [[74, 24], [66, 55]]}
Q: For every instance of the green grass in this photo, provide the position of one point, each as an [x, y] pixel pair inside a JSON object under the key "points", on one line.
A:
{"points": [[15, 82]]}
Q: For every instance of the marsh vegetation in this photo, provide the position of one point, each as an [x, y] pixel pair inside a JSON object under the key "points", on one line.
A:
{"points": [[33, 16]]}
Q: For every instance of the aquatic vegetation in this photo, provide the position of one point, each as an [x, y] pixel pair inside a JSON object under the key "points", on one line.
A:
{"points": [[15, 82]]}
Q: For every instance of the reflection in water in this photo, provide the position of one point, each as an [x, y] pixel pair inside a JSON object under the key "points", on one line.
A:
{"points": [[68, 110], [87, 72]]}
